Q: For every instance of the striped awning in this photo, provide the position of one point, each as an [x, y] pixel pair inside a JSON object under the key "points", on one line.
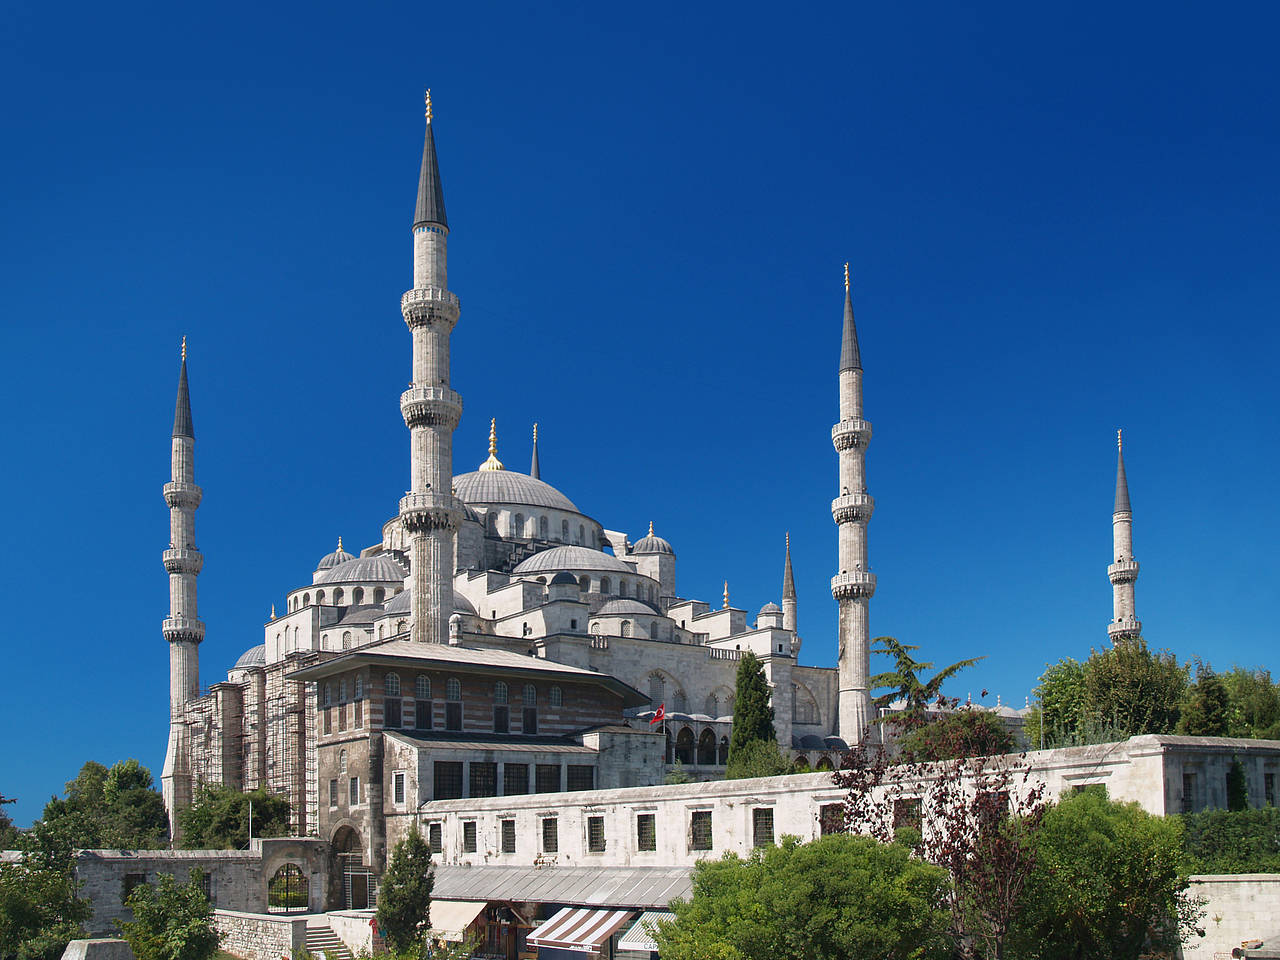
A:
{"points": [[640, 936], [577, 928]]}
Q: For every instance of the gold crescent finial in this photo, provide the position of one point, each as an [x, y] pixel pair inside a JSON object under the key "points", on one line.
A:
{"points": [[651, 528], [427, 98], [846, 277], [184, 348], [493, 463], [726, 594], [1120, 440], [273, 611], [535, 432], [339, 544], [788, 539]]}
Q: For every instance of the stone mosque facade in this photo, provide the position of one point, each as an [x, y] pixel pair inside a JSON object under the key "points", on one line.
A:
{"points": [[493, 639]]}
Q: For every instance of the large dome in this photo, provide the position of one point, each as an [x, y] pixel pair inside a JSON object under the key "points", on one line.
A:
{"points": [[508, 486], [402, 602], [253, 657], [379, 567], [571, 558]]}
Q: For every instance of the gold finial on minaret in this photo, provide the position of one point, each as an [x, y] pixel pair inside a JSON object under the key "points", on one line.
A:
{"points": [[726, 594], [273, 611], [493, 463], [846, 277], [184, 348], [1120, 440], [788, 540], [427, 98], [651, 528]]}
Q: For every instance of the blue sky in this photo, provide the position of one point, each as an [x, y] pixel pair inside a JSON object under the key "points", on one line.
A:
{"points": [[1061, 220]]}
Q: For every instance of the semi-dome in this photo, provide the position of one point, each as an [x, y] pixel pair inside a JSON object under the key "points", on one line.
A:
{"points": [[331, 560], [379, 567], [509, 487], [624, 608], [253, 657], [402, 602], [572, 558], [564, 579], [769, 607], [652, 544]]}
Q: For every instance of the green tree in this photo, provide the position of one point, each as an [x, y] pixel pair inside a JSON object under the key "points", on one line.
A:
{"points": [[39, 910], [1237, 786], [1254, 704], [1134, 691], [1107, 884], [8, 832], [752, 714], [903, 682], [117, 807], [758, 758], [218, 818], [1207, 708], [171, 921], [951, 736], [1224, 841], [1060, 711], [404, 896], [841, 896]]}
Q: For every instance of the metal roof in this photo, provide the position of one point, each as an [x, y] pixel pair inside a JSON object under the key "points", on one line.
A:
{"points": [[380, 568], [572, 558], [640, 936], [635, 887], [475, 744], [182, 409], [850, 356], [510, 487], [1122, 486], [580, 929], [430, 207]]}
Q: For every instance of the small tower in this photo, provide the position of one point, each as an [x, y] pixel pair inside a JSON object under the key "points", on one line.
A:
{"points": [[854, 585], [534, 470], [431, 410], [182, 628], [1124, 569], [788, 592]]}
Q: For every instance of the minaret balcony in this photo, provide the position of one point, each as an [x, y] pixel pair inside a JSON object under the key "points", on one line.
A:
{"points": [[851, 434], [859, 585], [1123, 571], [1121, 629], [430, 407], [853, 508], [183, 560], [178, 629], [429, 305], [429, 511], [182, 495]]}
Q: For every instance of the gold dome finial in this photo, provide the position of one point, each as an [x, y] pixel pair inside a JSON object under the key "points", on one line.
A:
{"points": [[535, 433], [846, 277], [427, 98], [273, 611], [726, 594], [1120, 440], [493, 463], [651, 528], [184, 348]]}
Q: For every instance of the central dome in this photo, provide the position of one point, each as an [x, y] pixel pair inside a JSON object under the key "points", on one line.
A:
{"points": [[507, 486], [571, 558]]}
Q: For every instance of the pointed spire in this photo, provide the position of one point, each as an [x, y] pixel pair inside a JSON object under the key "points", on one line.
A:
{"points": [[534, 471], [850, 357], [182, 409], [340, 550], [651, 528], [788, 578], [1122, 482], [430, 208], [493, 463], [726, 594]]}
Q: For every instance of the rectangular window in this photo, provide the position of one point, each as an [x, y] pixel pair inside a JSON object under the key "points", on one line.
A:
{"points": [[131, 882], [359, 714], [333, 793], [1269, 788], [206, 885], [484, 779], [906, 813], [595, 834], [397, 786], [448, 780], [762, 827], [435, 837], [392, 719], [581, 777], [831, 818], [469, 836], [501, 719], [328, 719], [515, 779], [353, 791], [646, 832], [422, 715], [342, 717], [1188, 792], [700, 830], [550, 835], [453, 716], [508, 836], [530, 720], [547, 778]]}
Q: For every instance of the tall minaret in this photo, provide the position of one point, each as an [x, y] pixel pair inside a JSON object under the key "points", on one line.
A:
{"points": [[431, 410], [182, 628], [788, 592], [854, 585], [1124, 571]]}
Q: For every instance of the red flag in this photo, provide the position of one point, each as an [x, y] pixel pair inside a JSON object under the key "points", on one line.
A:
{"points": [[660, 715]]}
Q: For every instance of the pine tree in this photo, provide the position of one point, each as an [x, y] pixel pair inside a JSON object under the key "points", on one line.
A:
{"points": [[752, 714], [404, 897], [1207, 712]]}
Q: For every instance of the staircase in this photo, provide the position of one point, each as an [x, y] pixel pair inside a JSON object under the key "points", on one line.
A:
{"points": [[323, 943]]}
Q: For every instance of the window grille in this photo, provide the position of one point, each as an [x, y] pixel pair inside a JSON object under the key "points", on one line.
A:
{"points": [[515, 779], [581, 777], [422, 687], [595, 834], [508, 836], [762, 827], [398, 787], [391, 685], [550, 835], [484, 779], [448, 780], [646, 832], [547, 778], [700, 830], [435, 838], [469, 836]]}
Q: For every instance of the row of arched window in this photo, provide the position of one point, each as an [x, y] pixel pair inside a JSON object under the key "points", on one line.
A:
{"points": [[339, 597], [706, 752], [539, 528]]}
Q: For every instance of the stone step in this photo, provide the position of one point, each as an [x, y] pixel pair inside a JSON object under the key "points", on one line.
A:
{"points": [[323, 942]]}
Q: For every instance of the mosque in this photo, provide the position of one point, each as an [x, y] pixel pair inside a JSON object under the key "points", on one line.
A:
{"points": [[492, 639]]}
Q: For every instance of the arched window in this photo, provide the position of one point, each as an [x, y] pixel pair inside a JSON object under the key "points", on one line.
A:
{"points": [[544, 528], [381, 627], [293, 604], [653, 629], [392, 706], [519, 527], [584, 583], [678, 702], [564, 530], [491, 522], [707, 748], [595, 629], [657, 690], [626, 628], [402, 626], [295, 638], [712, 708], [357, 595], [453, 688], [324, 641], [529, 708], [653, 593], [723, 753], [342, 691], [286, 638], [346, 639], [604, 586], [306, 599], [582, 533], [422, 708], [622, 588], [500, 692], [379, 594], [422, 687], [338, 595], [328, 694], [501, 711], [359, 687], [529, 695], [320, 596], [684, 746], [557, 697], [342, 762], [392, 685]]}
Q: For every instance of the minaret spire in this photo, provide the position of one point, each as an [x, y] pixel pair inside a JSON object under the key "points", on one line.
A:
{"points": [[431, 410], [183, 628], [493, 463], [855, 584], [534, 470], [789, 608], [1123, 571]]}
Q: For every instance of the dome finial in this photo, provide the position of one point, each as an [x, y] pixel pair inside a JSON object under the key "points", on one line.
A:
{"points": [[184, 348], [493, 463], [273, 611], [726, 594], [427, 99], [339, 544], [846, 277], [1120, 440], [651, 528]]}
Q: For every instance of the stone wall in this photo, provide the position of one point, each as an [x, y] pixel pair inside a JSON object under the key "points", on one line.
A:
{"points": [[256, 936], [1242, 907]]}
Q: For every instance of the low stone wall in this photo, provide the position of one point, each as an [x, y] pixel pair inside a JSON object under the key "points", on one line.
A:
{"points": [[104, 949], [352, 928], [258, 936], [1238, 907]]}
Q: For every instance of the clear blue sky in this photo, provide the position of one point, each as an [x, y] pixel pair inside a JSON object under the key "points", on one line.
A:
{"points": [[1061, 220]]}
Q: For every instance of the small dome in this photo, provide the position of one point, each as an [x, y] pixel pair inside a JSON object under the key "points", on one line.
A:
{"points": [[564, 579], [380, 567], [331, 560], [402, 602], [769, 608], [253, 657], [652, 544], [572, 558], [622, 608]]}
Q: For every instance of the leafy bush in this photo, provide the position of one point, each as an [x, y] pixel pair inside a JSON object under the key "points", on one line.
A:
{"points": [[171, 921], [1232, 841], [953, 736]]}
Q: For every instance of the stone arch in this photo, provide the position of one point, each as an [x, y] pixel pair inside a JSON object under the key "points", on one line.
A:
{"points": [[584, 583], [518, 530], [824, 763], [666, 687], [722, 699], [684, 746], [379, 594], [707, 748], [288, 890], [723, 751], [353, 878], [544, 527], [804, 705], [604, 586]]}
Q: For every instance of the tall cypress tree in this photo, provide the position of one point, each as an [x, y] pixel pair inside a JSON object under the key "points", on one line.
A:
{"points": [[752, 715]]}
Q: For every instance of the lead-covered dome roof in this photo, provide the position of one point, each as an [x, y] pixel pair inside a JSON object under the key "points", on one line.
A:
{"points": [[509, 487], [331, 560], [571, 558], [619, 608], [378, 568], [768, 608], [402, 602], [253, 657], [650, 543]]}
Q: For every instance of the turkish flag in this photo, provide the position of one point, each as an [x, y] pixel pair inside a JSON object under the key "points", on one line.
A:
{"points": [[660, 715]]}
